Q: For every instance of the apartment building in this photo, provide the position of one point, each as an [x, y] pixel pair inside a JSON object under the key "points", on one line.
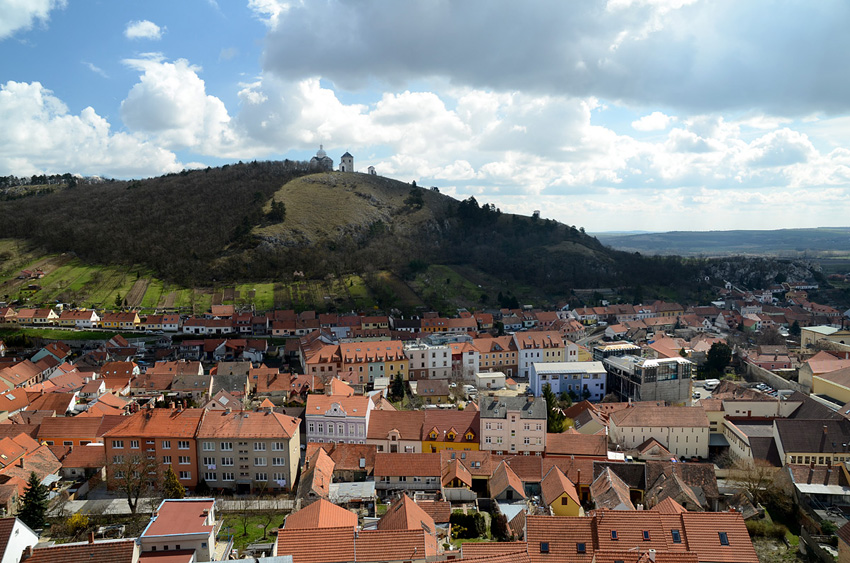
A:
{"points": [[684, 431], [428, 361], [513, 425], [580, 379], [541, 347], [248, 451], [166, 434]]}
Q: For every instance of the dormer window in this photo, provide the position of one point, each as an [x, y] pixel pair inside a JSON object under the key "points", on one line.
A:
{"points": [[470, 436], [433, 435], [451, 435]]}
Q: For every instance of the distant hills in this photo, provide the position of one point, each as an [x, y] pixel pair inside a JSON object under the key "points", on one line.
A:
{"points": [[281, 221], [826, 242]]}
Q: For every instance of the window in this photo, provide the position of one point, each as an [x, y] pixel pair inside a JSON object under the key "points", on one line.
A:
{"points": [[209, 446], [311, 428], [278, 447], [646, 535], [259, 461], [614, 535], [134, 444], [278, 461], [166, 444], [724, 538], [544, 547], [118, 459], [210, 477], [118, 444], [259, 446], [526, 440], [183, 444], [261, 477], [166, 459], [184, 460], [581, 548], [677, 536], [226, 446], [185, 474], [227, 461], [209, 461], [227, 476], [66, 443]]}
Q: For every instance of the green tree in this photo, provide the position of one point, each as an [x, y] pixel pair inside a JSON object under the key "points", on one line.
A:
{"points": [[795, 329], [554, 415], [397, 388], [171, 486], [718, 357], [277, 212], [33, 510], [118, 300]]}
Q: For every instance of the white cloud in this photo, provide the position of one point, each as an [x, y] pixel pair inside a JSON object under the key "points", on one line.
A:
{"points": [[42, 136], [694, 56], [655, 121], [170, 103], [18, 15], [269, 11], [95, 69], [143, 29]]}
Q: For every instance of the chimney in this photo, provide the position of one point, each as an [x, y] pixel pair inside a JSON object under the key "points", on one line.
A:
{"points": [[228, 410], [21, 463], [171, 405], [651, 555], [578, 476], [27, 553], [824, 429], [530, 398], [91, 537]]}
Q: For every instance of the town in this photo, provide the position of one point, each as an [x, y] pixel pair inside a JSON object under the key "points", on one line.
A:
{"points": [[617, 432]]}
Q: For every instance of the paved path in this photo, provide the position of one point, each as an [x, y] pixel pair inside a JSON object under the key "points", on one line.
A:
{"points": [[146, 506]]}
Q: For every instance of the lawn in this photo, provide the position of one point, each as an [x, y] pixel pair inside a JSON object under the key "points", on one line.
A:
{"points": [[57, 334], [234, 525]]}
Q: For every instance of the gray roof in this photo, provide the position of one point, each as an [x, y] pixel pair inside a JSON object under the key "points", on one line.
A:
{"points": [[816, 436], [498, 407]]}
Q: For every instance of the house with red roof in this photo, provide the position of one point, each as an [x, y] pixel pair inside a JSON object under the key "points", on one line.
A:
{"points": [[178, 525]]}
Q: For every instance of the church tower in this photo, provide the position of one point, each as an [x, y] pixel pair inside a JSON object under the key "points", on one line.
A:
{"points": [[346, 163]]}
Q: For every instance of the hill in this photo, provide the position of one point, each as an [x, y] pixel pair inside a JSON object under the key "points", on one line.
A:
{"points": [[281, 234], [796, 243]]}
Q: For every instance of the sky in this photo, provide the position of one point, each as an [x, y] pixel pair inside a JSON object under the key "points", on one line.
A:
{"points": [[614, 115]]}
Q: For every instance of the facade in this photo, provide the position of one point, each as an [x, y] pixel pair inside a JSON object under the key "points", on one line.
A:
{"points": [[684, 431], [541, 347], [579, 378], [603, 351], [167, 434], [513, 425], [645, 379], [248, 451], [338, 418], [427, 361], [497, 354]]}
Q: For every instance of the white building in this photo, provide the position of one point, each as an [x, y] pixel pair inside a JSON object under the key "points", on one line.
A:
{"points": [[346, 163], [684, 431], [564, 377], [490, 380], [427, 361]]}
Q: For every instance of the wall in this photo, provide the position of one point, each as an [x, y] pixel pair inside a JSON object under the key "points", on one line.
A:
{"points": [[774, 380]]}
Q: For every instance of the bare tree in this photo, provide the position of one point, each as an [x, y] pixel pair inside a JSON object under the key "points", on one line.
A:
{"points": [[135, 476], [757, 477]]}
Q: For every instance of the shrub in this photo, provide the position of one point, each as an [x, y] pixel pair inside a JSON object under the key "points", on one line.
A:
{"points": [[77, 523], [765, 529]]}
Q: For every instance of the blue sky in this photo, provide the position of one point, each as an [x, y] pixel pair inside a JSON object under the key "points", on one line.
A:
{"points": [[611, 115]]}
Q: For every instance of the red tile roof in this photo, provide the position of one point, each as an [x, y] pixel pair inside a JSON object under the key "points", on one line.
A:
{"points": [[321, 514], [183, 516], [555, 484], [404, 514], [247, 424], [504, 478], [109, 551], [408, 423], [576, 444], [407, 464], [152, 423]]}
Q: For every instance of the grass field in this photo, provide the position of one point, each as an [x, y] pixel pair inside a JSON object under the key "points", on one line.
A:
{"points": [[234, 525], [57, 334]]}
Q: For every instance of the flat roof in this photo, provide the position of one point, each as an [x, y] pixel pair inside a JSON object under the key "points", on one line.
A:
{"points": [[569, 367]]}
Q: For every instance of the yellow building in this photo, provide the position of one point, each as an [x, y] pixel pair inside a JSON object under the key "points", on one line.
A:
{"points": [[559, 494], [450, 430]]}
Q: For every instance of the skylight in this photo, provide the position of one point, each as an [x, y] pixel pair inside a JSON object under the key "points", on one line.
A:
{"points": [[724, 538]]}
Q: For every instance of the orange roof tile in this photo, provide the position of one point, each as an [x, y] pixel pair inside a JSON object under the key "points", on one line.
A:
{"points": [[321, 514], [404, 514], [555, 484], [109, 551], [247, 424], [504, 477]]}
